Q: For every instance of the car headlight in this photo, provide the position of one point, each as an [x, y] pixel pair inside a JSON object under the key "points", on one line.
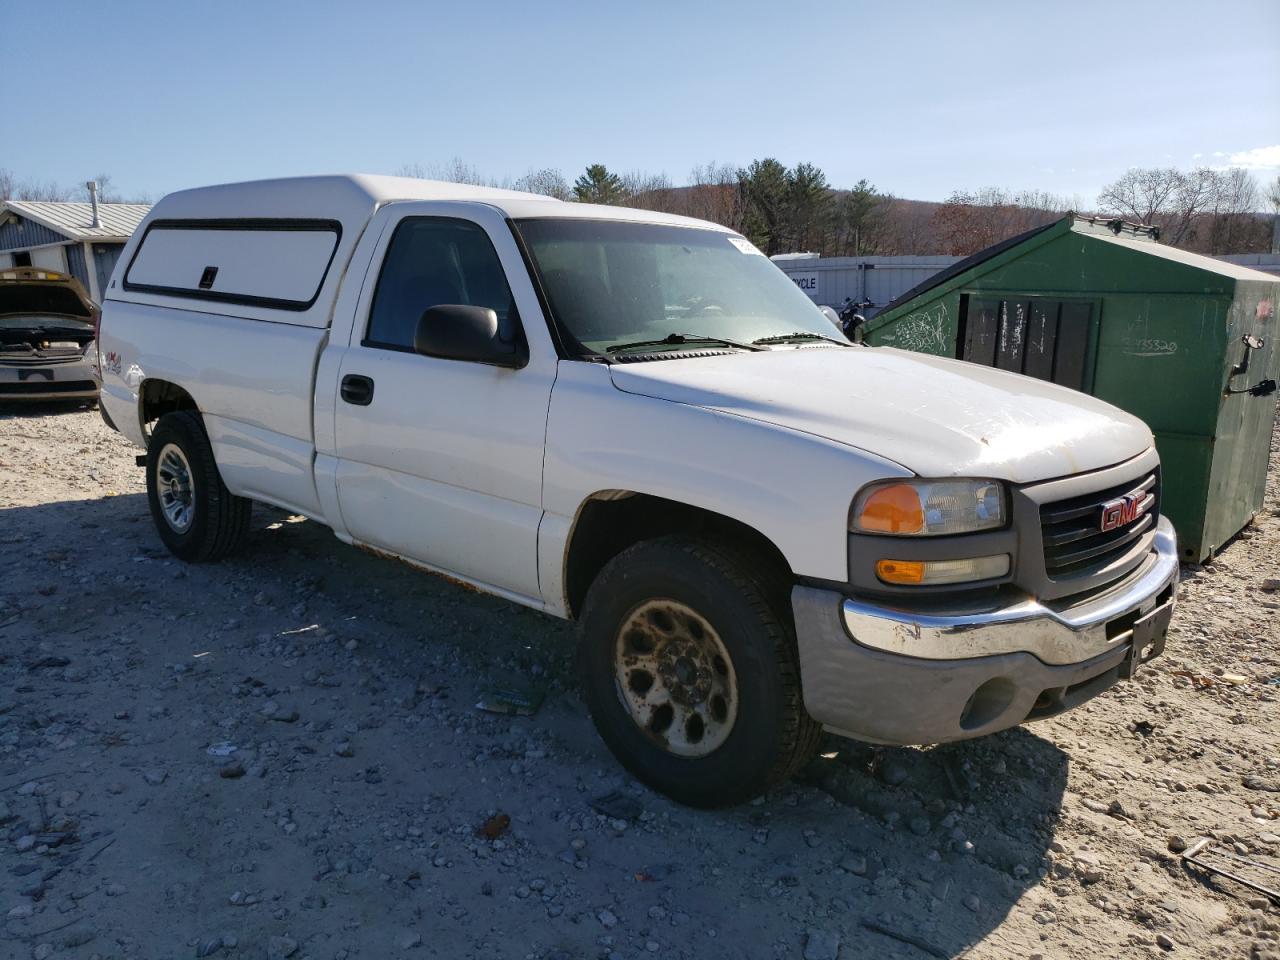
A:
{"points": [[929, 508]]}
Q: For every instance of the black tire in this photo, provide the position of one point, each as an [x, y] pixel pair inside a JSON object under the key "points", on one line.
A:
{"points": [[772, 736], [218, 520]]}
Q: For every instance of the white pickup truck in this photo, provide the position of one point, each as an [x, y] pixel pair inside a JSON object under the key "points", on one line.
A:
{"points": [[637, 421]]}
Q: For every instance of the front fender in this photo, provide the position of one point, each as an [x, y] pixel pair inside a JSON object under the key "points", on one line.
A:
{"points": [[793, 488]]}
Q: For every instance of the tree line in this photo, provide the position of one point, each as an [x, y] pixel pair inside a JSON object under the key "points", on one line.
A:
{"points": [[12, 188], [795, 209], [780, 209]]}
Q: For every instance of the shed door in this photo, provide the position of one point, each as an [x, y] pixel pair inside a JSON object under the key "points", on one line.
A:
{"points": [[1046, 339]]}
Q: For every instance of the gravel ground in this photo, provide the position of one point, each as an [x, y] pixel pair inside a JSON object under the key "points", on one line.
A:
{"points": [[368, 809]]}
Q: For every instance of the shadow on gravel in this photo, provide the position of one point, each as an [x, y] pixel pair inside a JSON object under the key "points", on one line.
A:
{"points": [[14, 410], [905, 852]]}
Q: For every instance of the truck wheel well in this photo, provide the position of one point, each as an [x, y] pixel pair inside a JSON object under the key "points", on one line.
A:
{"points": [[158, 397], [610, 522]]}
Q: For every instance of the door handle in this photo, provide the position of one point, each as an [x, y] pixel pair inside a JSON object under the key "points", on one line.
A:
{"points": [[357, 389]]}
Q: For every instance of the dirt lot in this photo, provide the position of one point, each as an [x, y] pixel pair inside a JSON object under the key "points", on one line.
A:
{"points": [[345, 822]]}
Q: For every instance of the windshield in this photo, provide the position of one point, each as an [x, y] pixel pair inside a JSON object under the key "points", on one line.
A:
{"points": [[612, 283]]}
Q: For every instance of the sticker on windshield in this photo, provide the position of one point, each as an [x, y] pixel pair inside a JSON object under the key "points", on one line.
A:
{"points": [[745, 246]]}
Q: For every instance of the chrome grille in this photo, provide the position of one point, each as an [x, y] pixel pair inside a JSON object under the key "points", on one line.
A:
{"points": [[1075, 543], [39, 360]]}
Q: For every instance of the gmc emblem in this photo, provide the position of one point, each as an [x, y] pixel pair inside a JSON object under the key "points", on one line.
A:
{"points": [[1122, 511]]}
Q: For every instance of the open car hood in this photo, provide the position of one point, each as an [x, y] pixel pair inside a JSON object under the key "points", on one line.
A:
{"points": [[35, 292]]}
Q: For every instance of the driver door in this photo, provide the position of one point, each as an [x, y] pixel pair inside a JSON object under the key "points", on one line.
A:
{"points": [[440, 461]]}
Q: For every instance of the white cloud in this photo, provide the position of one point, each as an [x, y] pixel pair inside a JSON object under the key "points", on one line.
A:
{"points": [[1259, 158]]}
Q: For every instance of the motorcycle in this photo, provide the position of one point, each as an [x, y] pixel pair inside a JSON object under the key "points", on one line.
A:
{"points": [[851, 316]]}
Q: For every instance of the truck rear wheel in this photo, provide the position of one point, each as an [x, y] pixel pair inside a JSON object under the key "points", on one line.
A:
{"points": [[197, 517], [690, 673]]}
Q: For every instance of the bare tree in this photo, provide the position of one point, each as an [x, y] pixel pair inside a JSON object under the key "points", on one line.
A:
{"points": [[456, 170], [1164, 197], [1231, 223], [908, 229], [971, 221], [1143, 194], [547, 181], [1198, 190], [713, 195], [651, 191], [1211, 211], [12, 188]]}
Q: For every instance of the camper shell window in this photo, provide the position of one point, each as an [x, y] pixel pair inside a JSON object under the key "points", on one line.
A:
{"points": [[267, 263]]}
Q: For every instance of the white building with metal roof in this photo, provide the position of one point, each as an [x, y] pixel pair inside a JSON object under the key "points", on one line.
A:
{"points": [[82, 239]]}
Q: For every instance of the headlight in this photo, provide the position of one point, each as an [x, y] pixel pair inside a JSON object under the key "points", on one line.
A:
{"points": [[929, 508]]}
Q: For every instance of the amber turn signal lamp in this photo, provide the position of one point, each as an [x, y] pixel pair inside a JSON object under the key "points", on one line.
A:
{"points": [[900, 571], [892, 509]]}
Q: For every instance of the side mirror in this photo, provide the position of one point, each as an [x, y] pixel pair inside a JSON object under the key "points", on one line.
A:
{"points": [[455, 331]]}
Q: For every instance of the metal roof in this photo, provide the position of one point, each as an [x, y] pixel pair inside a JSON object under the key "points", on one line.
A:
{"points": [[1226, 268], [74, 219]]}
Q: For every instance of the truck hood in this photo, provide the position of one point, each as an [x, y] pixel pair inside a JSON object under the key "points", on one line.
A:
{"points": [[934, 416]]}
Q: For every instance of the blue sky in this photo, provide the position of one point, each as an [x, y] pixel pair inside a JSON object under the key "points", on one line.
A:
{"points": [[920, 98]]}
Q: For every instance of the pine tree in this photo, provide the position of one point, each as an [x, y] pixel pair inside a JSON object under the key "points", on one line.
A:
{"points": [[863, 215], [810, 209], [598, 185], [763, 187]]}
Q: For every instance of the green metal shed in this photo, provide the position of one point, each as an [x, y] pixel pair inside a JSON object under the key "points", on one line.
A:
{"points": [[1186, 342]]}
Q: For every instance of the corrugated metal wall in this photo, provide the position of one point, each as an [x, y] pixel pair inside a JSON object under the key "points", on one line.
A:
{"points": [[105, 256], [25, 233], [1266, 262], [76, 265], [829, 280]]}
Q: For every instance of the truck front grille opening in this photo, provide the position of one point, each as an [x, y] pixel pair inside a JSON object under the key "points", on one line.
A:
{"points": [[1075, 543]]}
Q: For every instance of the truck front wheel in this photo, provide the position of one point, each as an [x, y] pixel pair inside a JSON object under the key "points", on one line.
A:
{"points": [[690, 673], [196, 516]]}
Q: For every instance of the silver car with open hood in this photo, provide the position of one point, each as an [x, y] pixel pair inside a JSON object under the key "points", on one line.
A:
{"points": [[47, 337]]}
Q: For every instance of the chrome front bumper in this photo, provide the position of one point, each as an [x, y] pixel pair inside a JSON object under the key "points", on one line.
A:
{"points": [[1053, 633], [890, 675]]}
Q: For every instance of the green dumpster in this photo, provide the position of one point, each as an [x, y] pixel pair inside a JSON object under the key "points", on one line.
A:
{"points": [[1186, 342]]}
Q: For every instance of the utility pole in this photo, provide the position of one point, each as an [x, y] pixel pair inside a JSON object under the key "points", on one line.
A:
{"points": [[1273, 194]]}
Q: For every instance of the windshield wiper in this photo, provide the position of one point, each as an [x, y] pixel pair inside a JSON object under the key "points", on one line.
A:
{"points": [[801, 335], [679, 339]]}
